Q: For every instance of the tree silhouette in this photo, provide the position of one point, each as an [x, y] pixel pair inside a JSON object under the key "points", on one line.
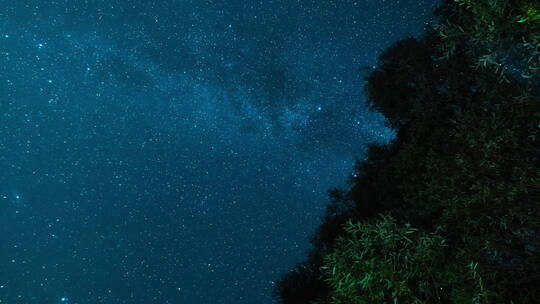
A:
{"points": [[463, 169]]}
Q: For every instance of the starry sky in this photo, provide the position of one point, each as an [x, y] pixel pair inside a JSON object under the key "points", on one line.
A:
{"points": [[178, 151]]}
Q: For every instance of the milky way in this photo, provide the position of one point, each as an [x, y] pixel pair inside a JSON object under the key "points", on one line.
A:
{"points": [[178, 151]]}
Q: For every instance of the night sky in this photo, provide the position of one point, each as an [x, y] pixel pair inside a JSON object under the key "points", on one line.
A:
{"points": [[178, 151]]}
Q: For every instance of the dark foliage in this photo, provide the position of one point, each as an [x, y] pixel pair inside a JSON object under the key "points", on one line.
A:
{"points": [[393, 84], [465, 164], [302, 285]]}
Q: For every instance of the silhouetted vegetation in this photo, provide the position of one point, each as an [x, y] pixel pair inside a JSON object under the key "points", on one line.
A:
{"points": [[449, 212]]}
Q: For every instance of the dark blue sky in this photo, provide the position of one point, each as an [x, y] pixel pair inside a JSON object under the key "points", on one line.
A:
{"points": [[178, 151]]}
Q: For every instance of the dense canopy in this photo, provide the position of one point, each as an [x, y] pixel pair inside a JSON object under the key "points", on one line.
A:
{"points": [[448, 212]]}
